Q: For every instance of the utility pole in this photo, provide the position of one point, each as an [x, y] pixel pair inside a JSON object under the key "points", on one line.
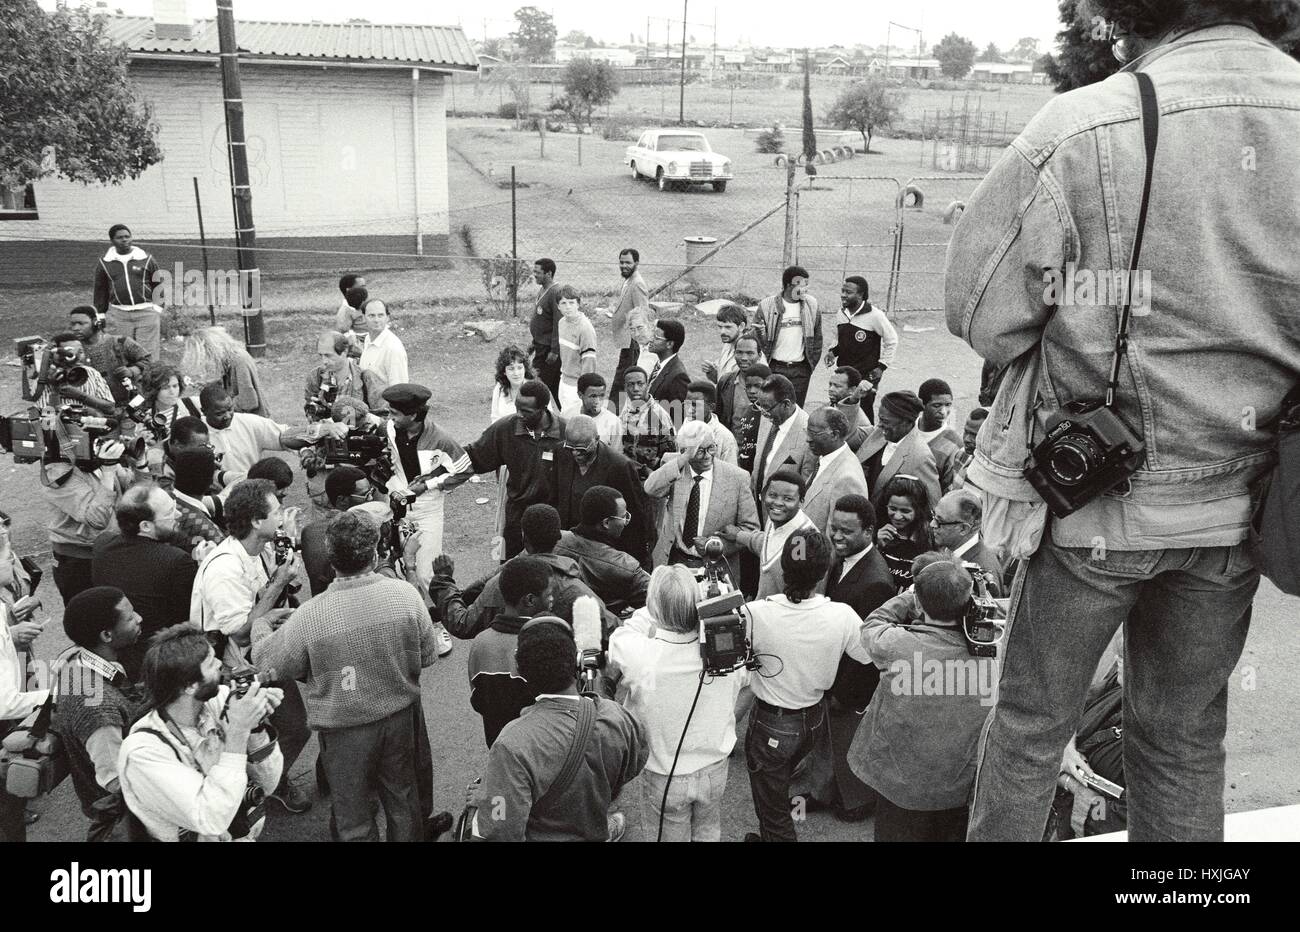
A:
{"points": [[250, 291], [681, 87], [791, 211]]}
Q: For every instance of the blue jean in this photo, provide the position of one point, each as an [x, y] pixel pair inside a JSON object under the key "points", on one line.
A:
{"points": [[774, 744], [1187, 614], [694, 810]]}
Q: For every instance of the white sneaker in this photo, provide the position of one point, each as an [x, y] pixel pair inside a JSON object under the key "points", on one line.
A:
{"points": [[443, 639]]}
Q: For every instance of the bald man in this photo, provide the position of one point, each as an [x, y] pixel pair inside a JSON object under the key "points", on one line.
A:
{"points": [[584, 462]]}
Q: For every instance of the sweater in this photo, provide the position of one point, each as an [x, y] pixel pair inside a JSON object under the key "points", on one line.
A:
{"points": [[359, 646]]}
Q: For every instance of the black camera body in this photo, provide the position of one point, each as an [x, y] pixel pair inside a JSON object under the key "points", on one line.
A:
{"points": [[724, 638], [73, 376], [979, 624], [365, 449], [1087, 452], [320, 406]]}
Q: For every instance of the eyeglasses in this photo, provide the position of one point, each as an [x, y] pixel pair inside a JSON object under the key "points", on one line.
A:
{"points": [[935, 522], [587, 449], [622, 519]]}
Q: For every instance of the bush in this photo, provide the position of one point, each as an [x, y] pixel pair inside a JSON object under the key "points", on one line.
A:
{"points": [[508, 110], [772, 141], [620, 127]]}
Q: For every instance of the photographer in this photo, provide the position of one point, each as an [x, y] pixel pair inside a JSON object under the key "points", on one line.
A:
{"points": [[81, 506], [654, 669], [800, 636], [916, 748], [369, 630], [117, 358], [66, 375], [1180, 435], [338, 377], [197, 765], [520, 797]]}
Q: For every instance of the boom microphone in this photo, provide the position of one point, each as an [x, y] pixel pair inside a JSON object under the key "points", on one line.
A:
{"points": [[586, 634]]}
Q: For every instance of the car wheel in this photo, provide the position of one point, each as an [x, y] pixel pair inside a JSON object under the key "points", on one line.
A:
{"points": [[664, 183], [636, 175], [720, 186]]}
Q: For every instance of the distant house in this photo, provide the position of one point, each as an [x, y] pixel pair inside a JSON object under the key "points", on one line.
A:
{"points": [[1002, 72], [347, 148], [618, 57], [917, 69], [836, 65]]}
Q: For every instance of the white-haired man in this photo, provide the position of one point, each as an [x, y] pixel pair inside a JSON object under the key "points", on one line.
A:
{"points": [[705, 495]]}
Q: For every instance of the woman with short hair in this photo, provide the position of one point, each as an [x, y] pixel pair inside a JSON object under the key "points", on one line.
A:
{"points": [[655, 668]]}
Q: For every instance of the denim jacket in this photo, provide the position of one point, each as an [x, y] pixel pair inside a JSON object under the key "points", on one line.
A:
{"points": [[1210, 361]]}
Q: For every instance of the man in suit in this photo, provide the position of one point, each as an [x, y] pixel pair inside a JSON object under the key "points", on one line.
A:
{"points": [[585, 462], [858, 577], [955, 526], [782, 434], [668, 378], [733, 400], [945, 443], [705, 495], [895, 448], [835, 471]]}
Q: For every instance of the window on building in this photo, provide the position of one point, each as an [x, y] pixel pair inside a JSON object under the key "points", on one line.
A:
{"points": [[17, 203]]}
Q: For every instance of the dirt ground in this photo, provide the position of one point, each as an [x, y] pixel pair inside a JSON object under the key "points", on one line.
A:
{"points": [[1263, 731]]}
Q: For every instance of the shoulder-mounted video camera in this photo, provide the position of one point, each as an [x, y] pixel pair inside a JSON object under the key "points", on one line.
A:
{"points": [[725, 646], [363, 447], [980, 624]]}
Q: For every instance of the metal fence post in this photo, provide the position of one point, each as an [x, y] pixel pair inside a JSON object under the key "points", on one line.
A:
{"points": [[514, 248], [203, 244]]}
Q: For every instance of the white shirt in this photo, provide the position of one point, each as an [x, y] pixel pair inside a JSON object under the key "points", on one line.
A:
{"points": [[727, 360], [243, 442], [386, 357], [609, 426], [15, 702], [789, 334], [646, 359], [850, 562], [809, 637], [887, 453], [824, 461], [928, 435], [706, 487], [503, 403], [657, 672], [781, 433], [172, 788], [226, 587], [774, 539]]}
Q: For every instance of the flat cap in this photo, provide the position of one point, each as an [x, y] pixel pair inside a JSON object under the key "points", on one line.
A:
{"points": [[407, 397]]}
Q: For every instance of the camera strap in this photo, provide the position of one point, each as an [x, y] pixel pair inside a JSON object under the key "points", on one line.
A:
{"points": [[577, 752], [1150, 118]]}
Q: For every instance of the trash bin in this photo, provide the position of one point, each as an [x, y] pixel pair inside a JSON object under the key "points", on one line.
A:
{"points": [[696, 248]]}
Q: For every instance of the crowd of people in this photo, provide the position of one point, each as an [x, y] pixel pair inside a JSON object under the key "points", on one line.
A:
{"points": [[876, 544]]}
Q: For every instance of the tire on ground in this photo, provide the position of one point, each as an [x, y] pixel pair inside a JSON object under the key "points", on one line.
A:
{"points": [[954, 212], [913, 192]]}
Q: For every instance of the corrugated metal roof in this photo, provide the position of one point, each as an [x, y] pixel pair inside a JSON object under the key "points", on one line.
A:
{"points": [[443, 46]]}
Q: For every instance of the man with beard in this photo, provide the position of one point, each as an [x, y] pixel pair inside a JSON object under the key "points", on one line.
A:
{"points": [[632, 292], [733, 399]]}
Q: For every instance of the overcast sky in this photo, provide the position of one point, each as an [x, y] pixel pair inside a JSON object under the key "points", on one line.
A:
{"points": [[763, 22]]}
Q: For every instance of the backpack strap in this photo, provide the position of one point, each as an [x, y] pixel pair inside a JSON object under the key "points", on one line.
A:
{"points": [[577, 751]]}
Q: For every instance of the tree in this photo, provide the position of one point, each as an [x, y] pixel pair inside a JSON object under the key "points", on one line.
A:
{"points": [[1044, 62], [991, 54], [514, 78], [587, 85], [866, 106], [491, 47], [64, 90], [536, 34], [956, 55], [576, 37], [1083, 54], [809, 136], [1025, 49]]}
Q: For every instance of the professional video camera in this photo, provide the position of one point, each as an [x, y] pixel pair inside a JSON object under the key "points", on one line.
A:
{"points": [[363, 447], [395, 532], [724, 639], [320, 406], [980, 624], [284, 547]]}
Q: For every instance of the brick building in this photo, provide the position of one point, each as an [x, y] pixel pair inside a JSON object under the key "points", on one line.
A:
{"points": [[347, 148]]}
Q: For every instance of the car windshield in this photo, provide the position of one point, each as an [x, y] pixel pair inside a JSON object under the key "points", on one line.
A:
{"points": [[682, 143]]}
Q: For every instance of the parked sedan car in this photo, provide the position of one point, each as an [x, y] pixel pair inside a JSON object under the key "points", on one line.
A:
{"points": [[675, 158]]}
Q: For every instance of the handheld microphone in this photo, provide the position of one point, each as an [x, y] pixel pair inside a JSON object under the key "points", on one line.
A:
{"points": [[586, 634]]}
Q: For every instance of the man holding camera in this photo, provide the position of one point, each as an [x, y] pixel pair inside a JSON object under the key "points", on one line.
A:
{"points": [[197, 765], [359, 647], [81, 506], [338, 377], [117, 358], [553, 772], [66, 376], [233, 589]]}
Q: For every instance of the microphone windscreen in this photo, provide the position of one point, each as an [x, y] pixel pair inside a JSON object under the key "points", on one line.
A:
{"points": [[586, 623]]}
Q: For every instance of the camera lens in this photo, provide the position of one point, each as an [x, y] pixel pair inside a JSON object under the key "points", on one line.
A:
{"points": [[1073, 458]]}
